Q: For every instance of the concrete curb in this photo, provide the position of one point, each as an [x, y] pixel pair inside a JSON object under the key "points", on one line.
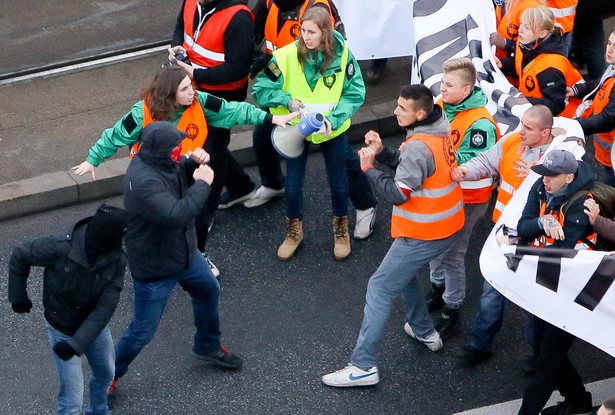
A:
{"points": [[54, 190]]}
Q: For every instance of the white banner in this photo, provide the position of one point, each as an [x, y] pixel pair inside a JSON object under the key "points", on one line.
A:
{"points": [[378, 29], [572, 290]]}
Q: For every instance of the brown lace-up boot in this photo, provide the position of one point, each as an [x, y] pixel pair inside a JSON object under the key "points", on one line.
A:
{"points": [[341, 250], [293, 239]]}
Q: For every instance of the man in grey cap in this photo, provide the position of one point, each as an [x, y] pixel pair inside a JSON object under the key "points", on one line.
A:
{"points": [[161, 245], [544, 224]]}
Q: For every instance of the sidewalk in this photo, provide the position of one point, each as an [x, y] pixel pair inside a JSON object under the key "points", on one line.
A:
{"points": [[48, 125]]}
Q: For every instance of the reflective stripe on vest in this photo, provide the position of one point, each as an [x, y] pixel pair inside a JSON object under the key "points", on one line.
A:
{"points": [[436, 210], [564, 12], [192, 121], [602, 141], [207, 50], [478, 191], [528, 81], [322, 98], [290, 30], [512, 150]]}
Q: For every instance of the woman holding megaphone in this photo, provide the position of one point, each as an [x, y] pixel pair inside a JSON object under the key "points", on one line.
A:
{"points": [[316, 73]]}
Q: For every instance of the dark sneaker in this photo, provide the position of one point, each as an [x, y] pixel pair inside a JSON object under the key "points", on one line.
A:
{"points": [[227, 199], [449, 324], [563, 408], [221, 357], [111, 393], [474, 356]]}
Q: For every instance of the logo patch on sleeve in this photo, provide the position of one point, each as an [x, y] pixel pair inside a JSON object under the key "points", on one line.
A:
{"points": [[478, 139], [273, 71]]}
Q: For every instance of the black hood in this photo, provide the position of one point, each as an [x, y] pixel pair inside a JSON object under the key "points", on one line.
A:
{"points": [[552, 44], [157, 141], [583, 179]]}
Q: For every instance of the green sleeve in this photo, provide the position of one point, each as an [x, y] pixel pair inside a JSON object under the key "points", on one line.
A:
{"points": [[267, 92], [353, 94], [117, 136], [468, 149], [230, 113]]}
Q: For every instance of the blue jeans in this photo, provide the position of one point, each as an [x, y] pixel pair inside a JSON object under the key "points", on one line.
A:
{"points": [[488, 320], [397, 275], [100, 358], [150, 301], [449, 269], [334, 152]]}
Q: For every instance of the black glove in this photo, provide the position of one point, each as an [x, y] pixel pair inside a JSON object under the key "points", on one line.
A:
{"points": [[64, 350], [261, 60], [22, 307]]}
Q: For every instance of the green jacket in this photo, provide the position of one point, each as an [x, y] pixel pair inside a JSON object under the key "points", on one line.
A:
{"points": [[128, 129], [267, 90], [466, 151]]}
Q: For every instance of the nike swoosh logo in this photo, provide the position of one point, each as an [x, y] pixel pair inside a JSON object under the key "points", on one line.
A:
{"points": [[353, 377]]}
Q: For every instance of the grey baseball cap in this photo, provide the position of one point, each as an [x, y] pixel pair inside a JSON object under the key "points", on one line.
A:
{"points": [[557, 162]]}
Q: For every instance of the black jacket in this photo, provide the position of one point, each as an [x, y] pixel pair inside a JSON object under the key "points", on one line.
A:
{"points": [[552, 81], [576, 222], [161, 235], [238, 46], [79, 299]]}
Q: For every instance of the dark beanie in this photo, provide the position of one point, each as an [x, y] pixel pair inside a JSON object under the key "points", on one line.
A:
{"points": [[105, 232]]}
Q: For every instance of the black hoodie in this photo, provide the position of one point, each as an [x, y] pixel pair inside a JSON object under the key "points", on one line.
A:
{"points": [[161, 236]]}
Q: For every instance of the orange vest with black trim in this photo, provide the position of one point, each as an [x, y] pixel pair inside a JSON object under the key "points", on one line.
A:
{"points": [[477, 191], [544, 241], [192, 122], [509, 20], [290, 31], [602, 141], [564, 12], [512, 150], [436, 210], [528, 82], [207, 50]]}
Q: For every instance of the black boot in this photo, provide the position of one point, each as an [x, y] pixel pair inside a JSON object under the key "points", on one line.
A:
{"points": [[449, 324], [433, 299]]}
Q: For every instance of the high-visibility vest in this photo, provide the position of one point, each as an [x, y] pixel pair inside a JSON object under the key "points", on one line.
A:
{"points": [[509, 20], [325, 96], [528, 83], [544, 241], [512, 150], [290, 31], [602, 141], [207, 50], [474, 192], [436, 210], [192, 121], [564, 12]]}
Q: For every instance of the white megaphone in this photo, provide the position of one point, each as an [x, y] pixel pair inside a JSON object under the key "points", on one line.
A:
{"points": [[289, 141]]}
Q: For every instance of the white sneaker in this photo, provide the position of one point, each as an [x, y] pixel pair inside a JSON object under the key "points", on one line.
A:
{"points": [[364, 225], [433, 342], [262, 196], [351, 376], [214, 269]]}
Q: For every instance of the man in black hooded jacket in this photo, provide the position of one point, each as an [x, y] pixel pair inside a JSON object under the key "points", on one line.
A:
{"points": [[82, 281], [161, 245]]}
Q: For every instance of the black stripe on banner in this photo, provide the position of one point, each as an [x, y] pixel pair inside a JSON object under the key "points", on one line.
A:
{"points": [[598, 284], [547, 272]]}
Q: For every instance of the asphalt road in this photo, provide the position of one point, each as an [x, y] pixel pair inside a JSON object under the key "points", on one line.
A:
{"points": [[291, 322]]}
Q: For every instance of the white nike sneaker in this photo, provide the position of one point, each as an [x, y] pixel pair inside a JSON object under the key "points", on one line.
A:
{"points": [[351, 376], [433, 342], [262, 196]]}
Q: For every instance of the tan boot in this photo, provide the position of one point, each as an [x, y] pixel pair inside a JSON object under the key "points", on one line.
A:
{"points": [[341, 250], [293, 239]]}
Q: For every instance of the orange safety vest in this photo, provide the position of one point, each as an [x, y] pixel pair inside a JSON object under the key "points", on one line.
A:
{"points": [[192, 122], [436, 210], [528, 84], [512, 149], [602, 141], [477, 191], [564, 12], [207, 50], [290, 31], [509, 20], [544, 241]]}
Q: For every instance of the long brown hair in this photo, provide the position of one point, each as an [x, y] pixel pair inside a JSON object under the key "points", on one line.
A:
{"points": [[321, 17], [160, 92]]}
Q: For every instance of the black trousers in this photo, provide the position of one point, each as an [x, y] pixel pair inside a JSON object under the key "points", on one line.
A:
{"points": [[554, 370]]}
